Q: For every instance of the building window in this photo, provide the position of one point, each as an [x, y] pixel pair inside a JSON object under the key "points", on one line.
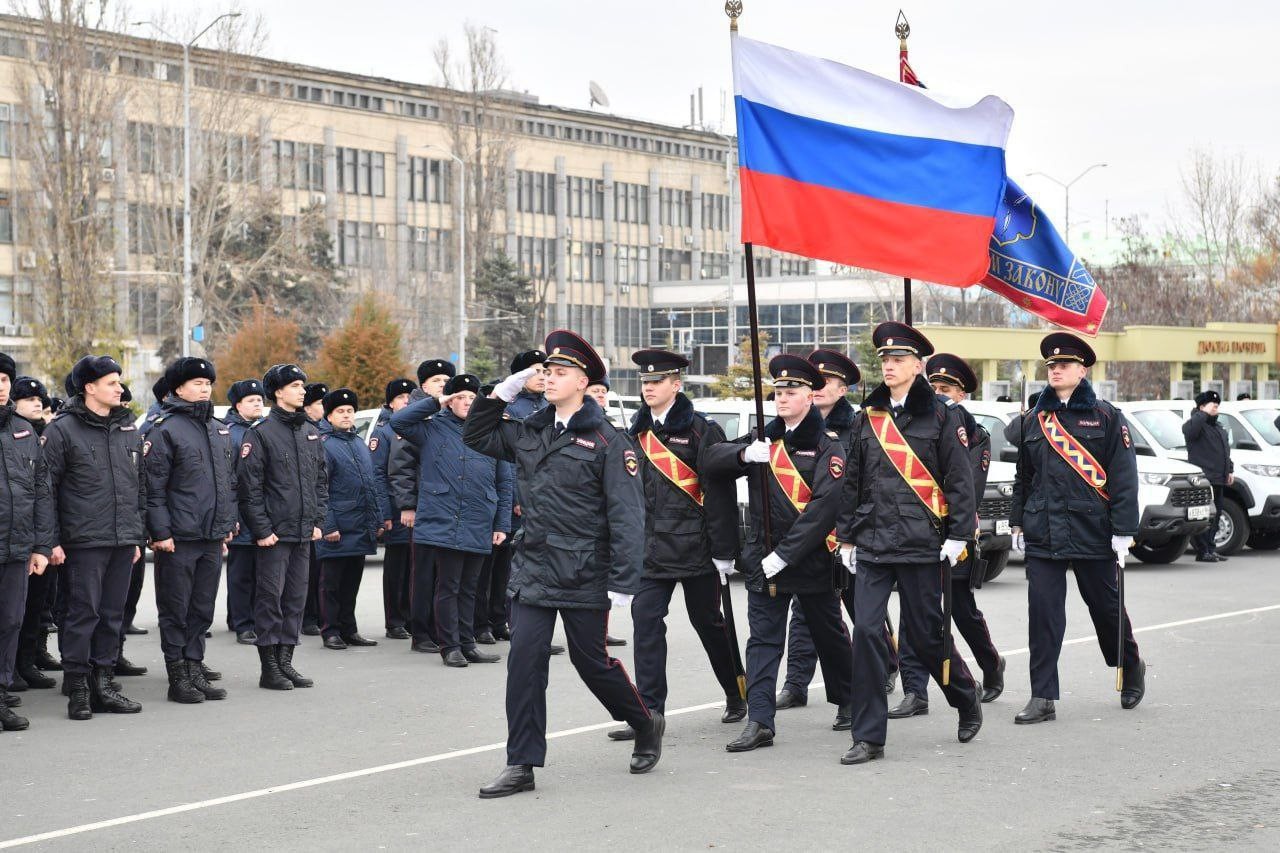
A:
{"points": [[6, 219], [536, 192], [6, 130], [361, 172], [15, 301], [429, 180]]}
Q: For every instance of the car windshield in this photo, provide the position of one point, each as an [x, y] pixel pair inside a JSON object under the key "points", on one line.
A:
{"points": [[728, 422], [995, 426], [1264, 421], [1165, 427]]}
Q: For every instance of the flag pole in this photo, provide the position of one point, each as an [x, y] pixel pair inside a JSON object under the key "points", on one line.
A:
{"points": [[903, 29]]}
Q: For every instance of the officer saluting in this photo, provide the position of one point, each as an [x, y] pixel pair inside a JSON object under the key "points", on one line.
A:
{"points": [[680, 538], [908, 507], [804, 478], [1075, 503], [953, 380], [579, 551]]}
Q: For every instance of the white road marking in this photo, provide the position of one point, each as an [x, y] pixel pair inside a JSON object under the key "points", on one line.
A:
{"points": [[491, 747]]}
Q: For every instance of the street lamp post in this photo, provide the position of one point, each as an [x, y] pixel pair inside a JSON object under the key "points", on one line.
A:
{"points": [[186, 169], [1066, 189]]}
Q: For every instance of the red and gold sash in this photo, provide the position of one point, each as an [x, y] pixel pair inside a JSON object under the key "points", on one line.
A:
{"points": [[671, 466], [797, 490], [906, 463], [1074, 453]]}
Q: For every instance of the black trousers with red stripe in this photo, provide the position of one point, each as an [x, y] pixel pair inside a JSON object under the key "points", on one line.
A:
{"points": [[527, 665], [649, 615], [971, 624]]}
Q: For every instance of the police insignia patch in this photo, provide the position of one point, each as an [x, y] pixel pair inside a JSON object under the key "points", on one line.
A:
{"points": [[962, 435], [836, 467], [146, 448], [244, 451], [1124, 435], [629, 460], [986, 459], [373, 443]]}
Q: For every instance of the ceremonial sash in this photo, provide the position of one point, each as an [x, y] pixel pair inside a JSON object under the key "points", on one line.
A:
{"points": [[906, 463], [671, 466], [797, 490], [1074, 453]]}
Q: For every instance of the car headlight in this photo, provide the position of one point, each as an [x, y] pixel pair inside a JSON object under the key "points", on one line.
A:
{"points": [[1198, 480], [1005, 489], [1263, 470], [1155, 479]]}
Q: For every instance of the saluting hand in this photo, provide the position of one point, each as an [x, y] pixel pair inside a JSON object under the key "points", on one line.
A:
{"points": [[507, 389]]}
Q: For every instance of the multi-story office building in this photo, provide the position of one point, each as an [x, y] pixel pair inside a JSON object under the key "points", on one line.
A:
{"points": [[597, 209]]}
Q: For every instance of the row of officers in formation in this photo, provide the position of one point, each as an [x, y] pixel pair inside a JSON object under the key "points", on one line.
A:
{"points": [[502, 507]]}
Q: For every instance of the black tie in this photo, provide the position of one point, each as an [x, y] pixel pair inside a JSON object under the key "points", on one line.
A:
{"points": [[786, 436], [897, 410], [558, 431]]}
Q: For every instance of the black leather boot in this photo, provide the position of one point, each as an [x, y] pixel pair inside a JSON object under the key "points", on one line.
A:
{"points": [[284, 655], [970, 722], [477, 656], [648, 748], [787, 699], [753, 736], [1036, 711], [514, 779], [890, 682], [11, 722], [77, 690], [486, 638], [844, 718], [993, 683], [104, 697], [861, 752], [624, 733], [180, 689], [910, 706], [735, 709], [272, 678], [454, 658], [18, 684], [1135, 687], [501, 632], [125, 667], [195, 673], [209, 674], [8, 700], [44, 660], [358, 641], [31, 674]]}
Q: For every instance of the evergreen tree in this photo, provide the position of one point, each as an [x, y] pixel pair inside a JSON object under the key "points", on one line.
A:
{"points": [[364, 353]]}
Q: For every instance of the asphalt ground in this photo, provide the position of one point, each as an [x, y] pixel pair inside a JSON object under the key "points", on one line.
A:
{"points": [[389, 748]]}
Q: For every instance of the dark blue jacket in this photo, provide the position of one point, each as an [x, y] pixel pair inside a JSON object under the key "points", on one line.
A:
{"points": [[525, 404], [282, 480], [153, 412], [239, 428], [464, 497], [380, 444], [357, 497], [188, 462]]}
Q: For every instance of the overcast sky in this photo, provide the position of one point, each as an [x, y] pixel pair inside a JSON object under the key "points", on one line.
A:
{"points": [[1133, 83]]}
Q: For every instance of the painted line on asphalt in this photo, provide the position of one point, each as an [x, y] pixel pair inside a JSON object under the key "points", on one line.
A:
{"points": [[491, 747]]}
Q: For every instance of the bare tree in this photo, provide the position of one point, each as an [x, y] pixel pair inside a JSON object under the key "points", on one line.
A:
{"points": [[67, 105], [1210, 224]]}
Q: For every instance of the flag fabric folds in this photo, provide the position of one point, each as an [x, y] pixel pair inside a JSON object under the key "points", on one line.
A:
{"points": [[1033, 268], [842, 165]]}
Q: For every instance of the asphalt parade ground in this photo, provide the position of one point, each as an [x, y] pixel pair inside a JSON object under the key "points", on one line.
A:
{"points": [[389, 748]]}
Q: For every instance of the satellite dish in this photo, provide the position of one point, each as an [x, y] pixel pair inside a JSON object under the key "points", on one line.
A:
{"points": [[597, 95]]}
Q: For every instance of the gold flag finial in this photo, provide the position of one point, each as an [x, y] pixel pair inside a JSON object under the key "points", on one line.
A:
{"points": [[733, 8], [902, 29]]}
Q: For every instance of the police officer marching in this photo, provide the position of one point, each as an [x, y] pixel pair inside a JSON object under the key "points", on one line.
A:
{"points": [[246, 399], [1075, 509], [283, 490], [681, 539], [92, 451], [26, 522], [953, 380], [580, 551], [806, 467], [1209, 449], [908, 514], [189, 468]]}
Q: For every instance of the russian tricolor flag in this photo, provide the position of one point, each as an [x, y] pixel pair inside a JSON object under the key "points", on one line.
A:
{"points": [[842, 165]]}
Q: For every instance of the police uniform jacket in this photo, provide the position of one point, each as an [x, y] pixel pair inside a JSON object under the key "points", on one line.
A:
{"points": [[149, 420], [95, 477], [283, 481], [464, 496], [883, 516], [582, 501], [524, 405], [239, 427], [26, 507], [839, 424], [380, 444], [1062, 516], [357, 497], [678, 533], [1208, 447], [402, 465], [800, 538], [188, 459]]}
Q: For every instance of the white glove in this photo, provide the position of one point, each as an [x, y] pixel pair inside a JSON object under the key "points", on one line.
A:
{"points": [[951, 550], [1019, 540], [772, 564], [725, 568], [849, 556], [620, 599], [756, 451], [1120, 545], [507, 389]]}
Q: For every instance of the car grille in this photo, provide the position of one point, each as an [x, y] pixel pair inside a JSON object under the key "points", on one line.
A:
{"points": [[995, 508], [1191, 497]]}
